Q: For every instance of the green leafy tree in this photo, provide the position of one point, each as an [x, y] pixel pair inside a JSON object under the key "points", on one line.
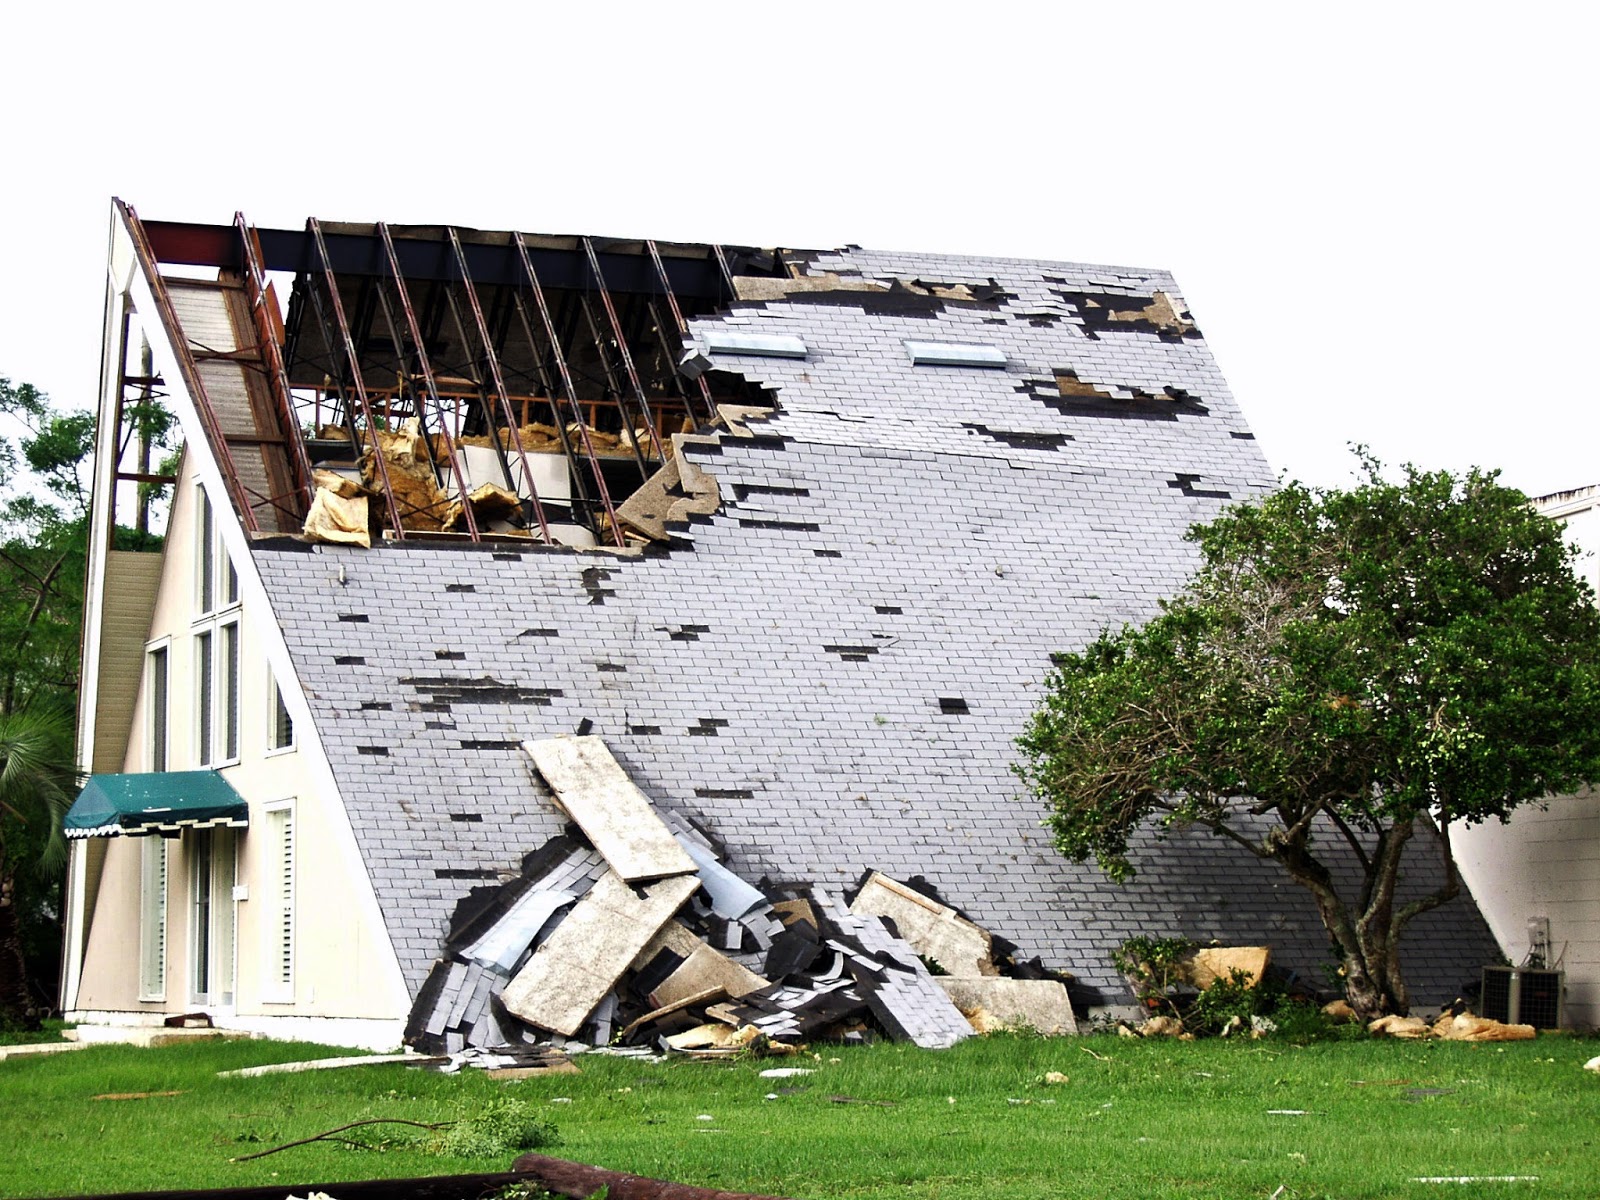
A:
{"points": [[1344, 667], [43, 548], [36, 786]]}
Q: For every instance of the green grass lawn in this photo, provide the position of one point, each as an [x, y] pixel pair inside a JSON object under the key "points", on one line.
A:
{"points": [[1145, 1119]]}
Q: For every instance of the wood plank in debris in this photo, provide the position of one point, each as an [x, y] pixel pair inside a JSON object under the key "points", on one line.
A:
{"points": [[933, 930], [588, 952], [789, 912], [706, 968], [506, 1074], [995, 1003], [591, 787], [674, 936], [334, 1064], [666, 1010]]}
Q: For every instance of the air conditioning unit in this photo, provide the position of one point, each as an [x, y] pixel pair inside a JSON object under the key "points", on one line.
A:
{"points": [[1521, 996]]}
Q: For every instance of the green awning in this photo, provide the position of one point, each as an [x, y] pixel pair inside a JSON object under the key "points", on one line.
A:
{"points": [[154, 802]]}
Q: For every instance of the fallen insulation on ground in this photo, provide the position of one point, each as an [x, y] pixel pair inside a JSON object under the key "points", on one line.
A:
{"points": [[629, 930]]}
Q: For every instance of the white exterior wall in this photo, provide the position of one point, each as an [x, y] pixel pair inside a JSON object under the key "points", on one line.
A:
{"points": [[1545, 862], [346, 985]]}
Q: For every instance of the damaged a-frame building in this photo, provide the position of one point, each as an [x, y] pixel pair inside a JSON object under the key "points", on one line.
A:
{"points": [[794, 533]]}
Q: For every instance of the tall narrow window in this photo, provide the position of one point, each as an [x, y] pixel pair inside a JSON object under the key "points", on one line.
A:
{"points": [[278, 935], [152, 918], [212, 871], [157, 701], [201, 894], [207, 566], [229, 692], [205, 697], [281, 735]]}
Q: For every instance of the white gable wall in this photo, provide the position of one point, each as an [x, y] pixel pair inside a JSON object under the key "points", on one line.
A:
{"points": [[1545, 862], [346, 981]]}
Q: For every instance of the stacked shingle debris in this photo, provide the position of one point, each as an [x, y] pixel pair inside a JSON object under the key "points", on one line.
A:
{"points": [[628, 929]]}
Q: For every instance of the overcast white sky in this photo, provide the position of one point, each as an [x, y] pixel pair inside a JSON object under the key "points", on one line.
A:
{"points": [[1382, 216]]}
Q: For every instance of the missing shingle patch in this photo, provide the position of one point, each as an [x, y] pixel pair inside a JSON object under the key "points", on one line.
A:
{"points": [[953, 706], [1185, 484], [1077, 397], [593, 577], [503, 557], [852, 653], [450, 655], [373, 751], [545, 632], [460, 587], [467, 818], [1019, 440], [645, 730], [488, 744], [1243, 437], [354, 618], [707, 727], [465, 873], [1101, 312], [687, 633], [349, 660], [376, 706], [609, 666], [888, 610], [826, 553], [484, 690], [744, 490], [724, 794], [766, 523]]}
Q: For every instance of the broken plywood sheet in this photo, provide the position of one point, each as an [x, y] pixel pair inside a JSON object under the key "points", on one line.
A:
{"points": [[591, 787], [1037, 1004], [933, 930], [1212, 963], [706, 968], [588, 952], [674, 493]]}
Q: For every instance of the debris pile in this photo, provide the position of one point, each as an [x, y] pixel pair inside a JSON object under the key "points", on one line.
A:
{"points": [[1452, 1027], [629, 930]]}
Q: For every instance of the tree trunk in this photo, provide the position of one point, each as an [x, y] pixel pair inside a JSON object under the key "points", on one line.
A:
{"points": [[16, 1008], [1368, 941]]}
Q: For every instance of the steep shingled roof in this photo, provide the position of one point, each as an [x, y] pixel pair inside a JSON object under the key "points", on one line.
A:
{"points": [[828, 672]]}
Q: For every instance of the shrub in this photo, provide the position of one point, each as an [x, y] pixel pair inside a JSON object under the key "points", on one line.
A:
{"points": [[504, 1126]]}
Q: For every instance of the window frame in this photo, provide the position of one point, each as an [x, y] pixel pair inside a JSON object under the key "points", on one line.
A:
{"points": [[275, 706], [155, 889], [280, 892], [158, 705]]}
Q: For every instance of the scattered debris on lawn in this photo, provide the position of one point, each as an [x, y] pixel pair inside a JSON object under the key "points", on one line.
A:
{"points": [[1339, 1012], [1452, 1027], [628, 931], [1474, 1179], [1593, 1064], [133, 1095]]}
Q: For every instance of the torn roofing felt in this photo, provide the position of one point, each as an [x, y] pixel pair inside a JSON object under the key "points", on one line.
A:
{"points": [[827, 669]]}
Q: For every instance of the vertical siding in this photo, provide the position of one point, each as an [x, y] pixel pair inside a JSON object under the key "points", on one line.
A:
{"points": [[130, 598]]}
